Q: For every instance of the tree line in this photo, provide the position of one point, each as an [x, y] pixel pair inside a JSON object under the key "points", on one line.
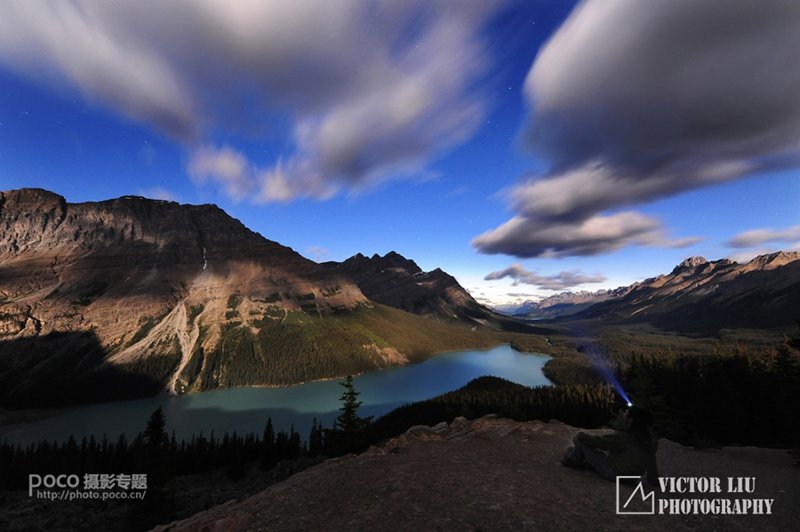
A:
{"points": [[161, 455], [736, 397]]}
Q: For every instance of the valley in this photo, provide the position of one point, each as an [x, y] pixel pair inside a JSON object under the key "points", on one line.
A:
{"points": [[130, 297]]}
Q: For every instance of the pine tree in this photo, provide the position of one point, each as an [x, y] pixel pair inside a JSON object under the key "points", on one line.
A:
{"points": [[154, 434], [237, 469], [268, 450], [348, 421], [349, 429], [315, 441], [159, 501], [295, 444]]}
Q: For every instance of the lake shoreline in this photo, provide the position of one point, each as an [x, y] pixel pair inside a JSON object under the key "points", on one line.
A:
{"points": [[246, 409]]}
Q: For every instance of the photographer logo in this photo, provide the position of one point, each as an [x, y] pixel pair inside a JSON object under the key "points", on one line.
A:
{"points": [[638, 502], [692, 496]]}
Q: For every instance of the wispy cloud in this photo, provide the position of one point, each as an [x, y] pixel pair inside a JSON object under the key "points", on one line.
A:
{"points": [[626, 112], [757, 237], [560, 281], [317, 253], [370, 90], [529, 237], [226, 167]]}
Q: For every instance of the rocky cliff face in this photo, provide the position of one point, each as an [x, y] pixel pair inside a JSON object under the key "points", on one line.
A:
{"points": [[398, 282], [141, 283]]}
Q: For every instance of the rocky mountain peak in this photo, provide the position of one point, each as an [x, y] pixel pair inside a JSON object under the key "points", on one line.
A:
{"points": [[691, 263], [396, 260], [398, 282], [31, 196], [391, 260], [773, 260]]}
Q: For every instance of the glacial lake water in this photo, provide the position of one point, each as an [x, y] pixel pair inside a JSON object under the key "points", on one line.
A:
{"points": [[247, 409]]}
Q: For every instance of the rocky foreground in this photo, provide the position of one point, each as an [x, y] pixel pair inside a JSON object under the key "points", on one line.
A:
{"points": [[493, 474]]}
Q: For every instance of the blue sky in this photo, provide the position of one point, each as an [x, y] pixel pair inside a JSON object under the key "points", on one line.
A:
{"points": [[554, 146]]}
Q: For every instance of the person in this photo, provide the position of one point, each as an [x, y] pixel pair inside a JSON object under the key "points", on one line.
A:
{"points": [[630, 451]]}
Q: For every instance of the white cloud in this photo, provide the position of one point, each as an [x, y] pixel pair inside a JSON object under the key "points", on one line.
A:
{"points": [[372, 90], [559, 281], [224, 166], [317, 253], [633, 101], [757, 237], [102, 49]]}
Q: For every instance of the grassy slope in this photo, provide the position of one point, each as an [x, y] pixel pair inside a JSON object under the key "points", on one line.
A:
{"points": [[304, 347]]}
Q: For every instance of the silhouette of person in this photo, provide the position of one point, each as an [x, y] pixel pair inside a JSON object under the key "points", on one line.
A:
{"points": [[630, 451]]}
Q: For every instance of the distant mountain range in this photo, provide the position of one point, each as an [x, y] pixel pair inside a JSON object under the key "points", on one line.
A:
{"points": [[126, 297], [563, 304], [698, 296]]}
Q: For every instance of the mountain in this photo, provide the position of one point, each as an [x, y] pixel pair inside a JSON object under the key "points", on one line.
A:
{"points": [[563, 304], [398, 282], [127, 297], [701, 296]]}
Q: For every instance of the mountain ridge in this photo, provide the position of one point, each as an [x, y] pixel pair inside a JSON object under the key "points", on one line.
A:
{"points": [[697, 296], [398, 282]]}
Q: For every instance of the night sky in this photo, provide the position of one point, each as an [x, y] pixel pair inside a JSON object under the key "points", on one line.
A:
{"points": [[525, 147]]}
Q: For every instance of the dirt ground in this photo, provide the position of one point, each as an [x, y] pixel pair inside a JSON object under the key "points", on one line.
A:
{"points": [[496, 474]]}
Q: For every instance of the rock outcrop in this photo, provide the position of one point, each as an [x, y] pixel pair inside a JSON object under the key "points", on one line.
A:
{"points": [[398, 282], [102, 265], [491, 474]]}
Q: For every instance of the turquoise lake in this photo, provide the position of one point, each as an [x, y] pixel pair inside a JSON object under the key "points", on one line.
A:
{"points": [[247, 409]]}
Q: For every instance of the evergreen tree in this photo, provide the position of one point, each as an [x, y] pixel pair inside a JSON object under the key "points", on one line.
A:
{"points": [[268, 449], [159, 501], [315, 441], [349, 429], [237, 469], [348, 421], [295, 444], [154, 434], [281, 446]]}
